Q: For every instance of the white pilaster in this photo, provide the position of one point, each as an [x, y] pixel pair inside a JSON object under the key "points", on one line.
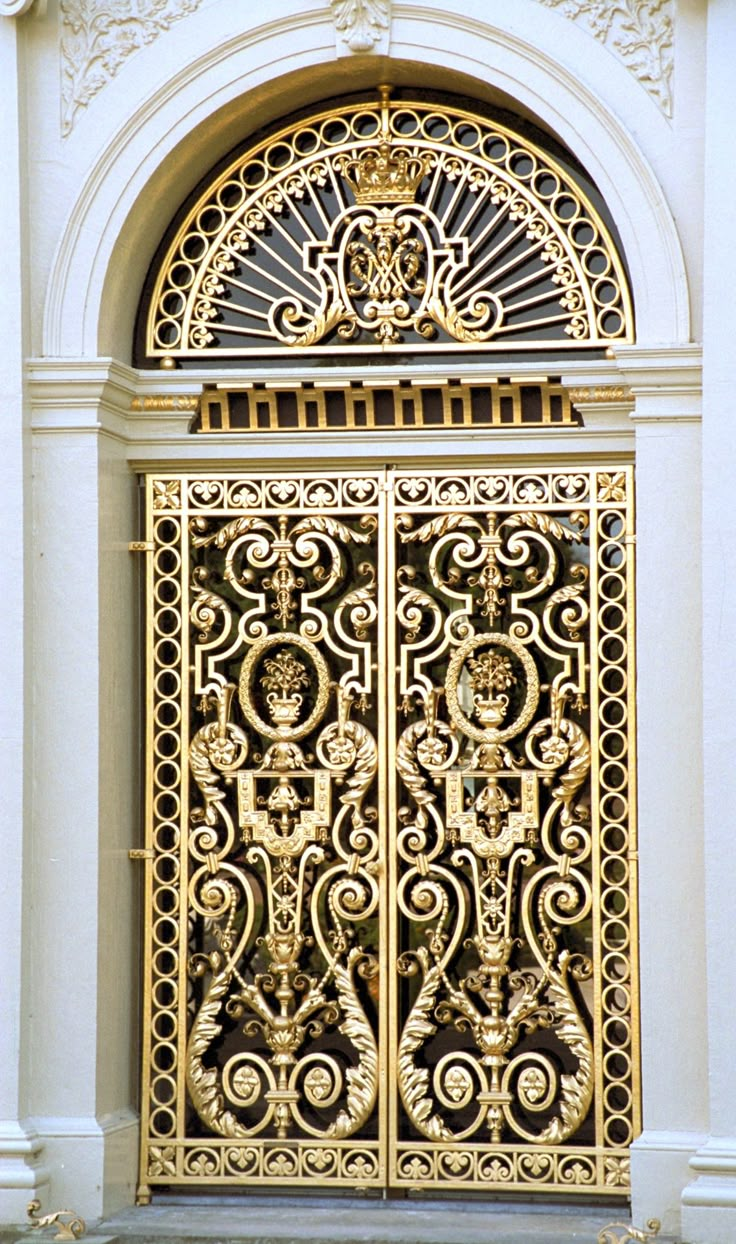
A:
{"points": [[709, 1202], [666, 387], [85, 689], [21, 1174]]}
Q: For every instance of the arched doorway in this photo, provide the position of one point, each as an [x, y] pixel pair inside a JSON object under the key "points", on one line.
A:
{"points": [[390, 900], [98, 420]]}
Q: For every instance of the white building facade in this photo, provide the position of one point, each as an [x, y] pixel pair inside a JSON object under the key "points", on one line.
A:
{"points": [[113, 115]]}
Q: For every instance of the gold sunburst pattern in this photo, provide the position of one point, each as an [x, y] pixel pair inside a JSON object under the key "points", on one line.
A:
{"points": [[389, 226]]}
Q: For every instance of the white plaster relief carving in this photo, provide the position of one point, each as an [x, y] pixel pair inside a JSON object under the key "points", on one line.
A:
{"points": [[98, 36], [362, 25], [640, 32]]}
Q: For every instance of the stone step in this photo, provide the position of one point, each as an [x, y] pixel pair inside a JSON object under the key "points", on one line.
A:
{"points": [[351, 1220]]}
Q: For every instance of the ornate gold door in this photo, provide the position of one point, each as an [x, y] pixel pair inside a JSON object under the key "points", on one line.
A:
{"points": [[390, 916]]}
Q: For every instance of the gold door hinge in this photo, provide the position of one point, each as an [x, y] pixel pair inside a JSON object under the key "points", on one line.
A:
{"points": [[140, 546], [141, 853]]}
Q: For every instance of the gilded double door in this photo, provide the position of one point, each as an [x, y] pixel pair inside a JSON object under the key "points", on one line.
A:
{"points": [[390, 921]]}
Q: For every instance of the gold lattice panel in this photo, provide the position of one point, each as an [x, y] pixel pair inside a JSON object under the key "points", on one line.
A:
{"points": [[388, 225], [390, 894], [326, 405]]}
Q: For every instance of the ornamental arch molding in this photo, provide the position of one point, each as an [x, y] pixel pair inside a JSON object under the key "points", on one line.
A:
{"points": [[169, 141]]}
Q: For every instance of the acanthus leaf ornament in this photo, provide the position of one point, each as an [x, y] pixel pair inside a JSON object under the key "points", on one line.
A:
{"points": [[97, 38], [639, 32], [361, 25]]}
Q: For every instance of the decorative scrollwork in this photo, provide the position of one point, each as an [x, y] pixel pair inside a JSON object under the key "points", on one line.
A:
{"points": [[298, 827], [639, 32], [621, 1233], [496, 887], [389, 225], [70, 1225], [281, 841]]}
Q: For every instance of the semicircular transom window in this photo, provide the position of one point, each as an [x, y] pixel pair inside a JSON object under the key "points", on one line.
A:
{"points": [[399, 226]]}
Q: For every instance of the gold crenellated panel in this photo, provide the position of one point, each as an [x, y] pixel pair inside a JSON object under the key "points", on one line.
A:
{"points": [[334, 406], [390, 850]]}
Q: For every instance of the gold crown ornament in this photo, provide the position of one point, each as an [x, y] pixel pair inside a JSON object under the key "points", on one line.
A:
{"points": [[384, 173]]}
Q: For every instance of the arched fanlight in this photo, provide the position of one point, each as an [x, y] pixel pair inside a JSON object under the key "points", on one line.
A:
{"points": [[399, 226]]}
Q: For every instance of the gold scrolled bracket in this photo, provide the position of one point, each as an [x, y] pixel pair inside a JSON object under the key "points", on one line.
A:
{"points": [[71, 1225], [631, 1234], [141, 546], [141, 853]]}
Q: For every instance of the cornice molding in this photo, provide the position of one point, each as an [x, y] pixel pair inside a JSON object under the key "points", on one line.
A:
{"points": [[80, 396], [98, 36], [639, 32], [663, 367], [666, 381], [628, 372], [150, 412]]}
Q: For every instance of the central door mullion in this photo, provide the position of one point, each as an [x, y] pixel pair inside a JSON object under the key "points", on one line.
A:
{"points": [[391, 863], [385, 812]]}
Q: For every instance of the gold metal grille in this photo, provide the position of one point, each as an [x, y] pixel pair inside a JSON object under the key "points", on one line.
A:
{"points": [[390, 855], [392, 226], [330, 406]]}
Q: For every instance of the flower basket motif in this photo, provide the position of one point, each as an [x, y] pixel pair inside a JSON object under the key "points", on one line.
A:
{"points": [[491, 673], [282, 680]]}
